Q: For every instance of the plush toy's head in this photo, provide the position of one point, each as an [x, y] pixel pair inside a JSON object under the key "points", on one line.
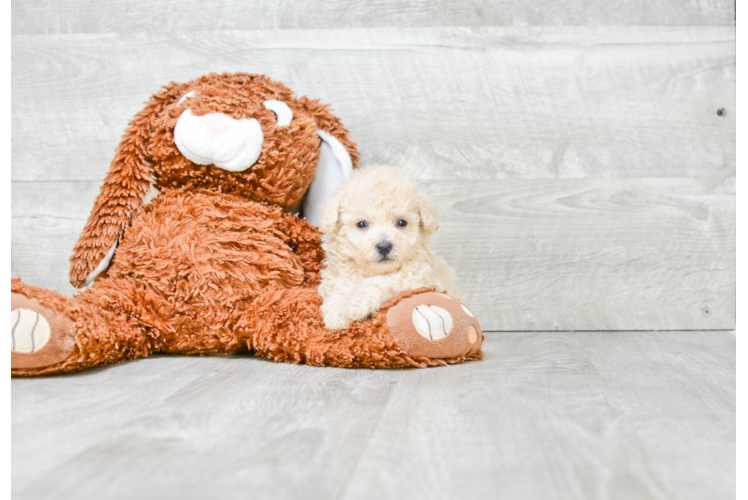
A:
{"points": [[236, 133], [243, 134]]}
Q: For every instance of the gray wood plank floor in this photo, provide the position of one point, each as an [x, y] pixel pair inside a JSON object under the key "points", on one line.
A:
{"points": [[614, 415], [742, 468]]}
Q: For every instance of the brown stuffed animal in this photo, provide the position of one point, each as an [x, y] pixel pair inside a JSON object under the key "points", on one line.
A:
{"points": [[215, 263]]}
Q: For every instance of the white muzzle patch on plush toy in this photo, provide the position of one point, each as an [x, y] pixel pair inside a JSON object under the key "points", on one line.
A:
{"points": [[217, 139], [228, 143]]}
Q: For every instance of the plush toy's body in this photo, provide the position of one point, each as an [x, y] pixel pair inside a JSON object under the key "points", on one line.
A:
{"points": [[215, 263]]}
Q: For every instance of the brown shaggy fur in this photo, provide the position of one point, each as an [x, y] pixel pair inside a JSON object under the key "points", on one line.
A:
{"points": [[213, 264]]}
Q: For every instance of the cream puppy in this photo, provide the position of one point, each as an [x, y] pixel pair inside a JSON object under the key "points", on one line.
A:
{"points": [[376, 239]]}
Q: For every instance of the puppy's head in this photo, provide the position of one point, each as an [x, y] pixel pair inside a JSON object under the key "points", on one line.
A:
{"points": [[377, 221]]}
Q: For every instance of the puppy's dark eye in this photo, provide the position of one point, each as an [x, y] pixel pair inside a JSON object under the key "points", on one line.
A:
{"points": [[362, 224], [402, 223]]}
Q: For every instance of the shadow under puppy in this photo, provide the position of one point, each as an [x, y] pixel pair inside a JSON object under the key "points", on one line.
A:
{"points": [[376, 239]]}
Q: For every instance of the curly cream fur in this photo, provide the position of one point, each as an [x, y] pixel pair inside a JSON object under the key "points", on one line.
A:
{"points": [[358, 278]]}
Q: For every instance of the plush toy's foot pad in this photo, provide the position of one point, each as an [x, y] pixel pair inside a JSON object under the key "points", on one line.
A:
{"points": [[434, 325], [39, 337]]}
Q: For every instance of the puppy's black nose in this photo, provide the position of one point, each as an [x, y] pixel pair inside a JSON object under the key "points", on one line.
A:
{"points": [[384, 247]]}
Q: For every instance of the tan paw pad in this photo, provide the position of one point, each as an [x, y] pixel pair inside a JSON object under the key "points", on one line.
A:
{"points": [[29, 331]]}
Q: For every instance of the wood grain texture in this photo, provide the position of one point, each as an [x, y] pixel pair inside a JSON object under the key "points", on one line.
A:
{"points": [[572, 254], [77, 16], [742, 469], [587, 254], [444, 103], [620, 416], [740, 138], [46, 220], [586, 167], [741, 236], [740, 120], [741, 336]]}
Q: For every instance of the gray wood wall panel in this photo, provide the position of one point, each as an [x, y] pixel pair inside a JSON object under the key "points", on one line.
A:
{"points": [[740, 120], [80, 16], [641, 416], [742, 468], [740, 142], [530, 254], [483, 104], [46, 219], [587, 165], [592, 254], [741, 236]]}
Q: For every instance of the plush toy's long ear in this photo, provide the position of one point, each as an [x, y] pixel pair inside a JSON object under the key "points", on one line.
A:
{"points": [[338, 156], [329, 123], [126, 184]]}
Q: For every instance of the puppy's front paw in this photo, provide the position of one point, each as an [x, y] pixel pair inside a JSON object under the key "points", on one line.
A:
{"points": [[335, 319], [336, 323], [363, 304]]}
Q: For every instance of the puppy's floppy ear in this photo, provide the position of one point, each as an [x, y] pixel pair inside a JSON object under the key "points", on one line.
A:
{"points": [[330, 214], [428, 215]]}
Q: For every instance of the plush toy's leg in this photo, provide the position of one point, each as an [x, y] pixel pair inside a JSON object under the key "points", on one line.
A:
{"points": [[52, 333], [434, 327], [418, 328]]}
